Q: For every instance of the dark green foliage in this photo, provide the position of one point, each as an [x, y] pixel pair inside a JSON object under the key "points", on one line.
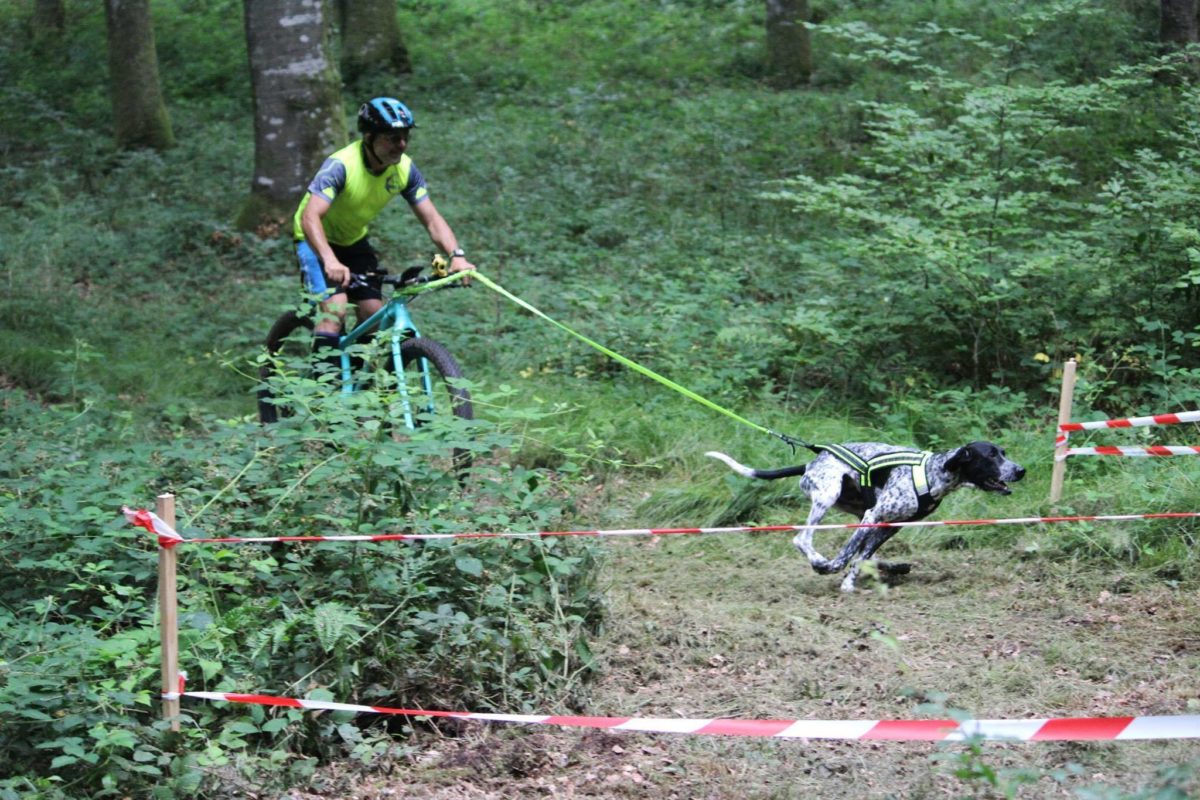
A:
{"points": [[439, 625], [987, 224]]}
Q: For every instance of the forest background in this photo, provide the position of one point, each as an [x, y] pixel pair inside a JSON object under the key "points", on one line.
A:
{"points": [[903, 244]]}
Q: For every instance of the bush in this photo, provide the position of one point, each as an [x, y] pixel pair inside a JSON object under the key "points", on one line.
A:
{"points": [[971, 246], [445, 624]]}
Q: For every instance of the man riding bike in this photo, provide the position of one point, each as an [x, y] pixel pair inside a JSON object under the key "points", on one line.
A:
{"points": [[347, 193]]}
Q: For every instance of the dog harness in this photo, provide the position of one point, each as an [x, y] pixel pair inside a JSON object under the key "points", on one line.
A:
{"points": [[883, 465]]}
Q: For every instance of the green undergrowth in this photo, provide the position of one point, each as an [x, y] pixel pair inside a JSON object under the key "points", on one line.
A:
{"points": [[441, 624]]}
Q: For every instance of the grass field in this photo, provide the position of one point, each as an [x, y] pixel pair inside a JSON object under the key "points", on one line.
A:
{"points": [[737, 625], [739, 628]]}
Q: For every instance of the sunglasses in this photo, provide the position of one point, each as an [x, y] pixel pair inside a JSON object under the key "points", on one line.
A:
{"points": [[395, 137]]}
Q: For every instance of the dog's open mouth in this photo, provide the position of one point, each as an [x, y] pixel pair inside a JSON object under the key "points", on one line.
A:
{"points": [[996, 485]]}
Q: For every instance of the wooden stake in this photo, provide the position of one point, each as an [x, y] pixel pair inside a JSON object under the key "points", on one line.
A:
{"points": [[168, 619], [1065, 400]]}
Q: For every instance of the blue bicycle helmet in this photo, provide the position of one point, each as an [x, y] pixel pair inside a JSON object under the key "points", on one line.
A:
{"points": [[383, 114]]}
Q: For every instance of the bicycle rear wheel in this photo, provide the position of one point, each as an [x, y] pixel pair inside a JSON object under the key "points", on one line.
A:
{"points": [[277, 340], [427, 389]]}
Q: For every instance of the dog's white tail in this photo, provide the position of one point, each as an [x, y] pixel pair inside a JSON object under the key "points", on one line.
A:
{"points": [[735, 466], [750, 472]]}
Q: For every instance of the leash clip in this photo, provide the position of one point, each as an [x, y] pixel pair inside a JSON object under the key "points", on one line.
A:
{"points": [[790, 441]]}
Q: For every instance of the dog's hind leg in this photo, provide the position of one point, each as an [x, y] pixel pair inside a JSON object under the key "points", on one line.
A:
{"points": [[821, 503], [803, 540]]}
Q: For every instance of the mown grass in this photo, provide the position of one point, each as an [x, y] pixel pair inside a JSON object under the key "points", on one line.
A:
{"points": [[738, 626]]}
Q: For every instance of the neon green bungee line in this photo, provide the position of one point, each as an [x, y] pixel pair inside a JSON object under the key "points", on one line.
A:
{"points": [[636, 367]]}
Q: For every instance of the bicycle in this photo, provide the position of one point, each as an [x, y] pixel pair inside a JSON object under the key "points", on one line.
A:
{"points": [[418, 364]]}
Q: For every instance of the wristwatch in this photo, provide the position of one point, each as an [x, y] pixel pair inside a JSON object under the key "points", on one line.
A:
{"points": [[457, 253]]}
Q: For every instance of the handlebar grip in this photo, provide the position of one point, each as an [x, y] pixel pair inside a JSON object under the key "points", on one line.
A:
{"points": [[409, 278]]}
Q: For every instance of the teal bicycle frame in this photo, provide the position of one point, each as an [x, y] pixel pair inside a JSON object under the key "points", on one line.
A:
{"points": [[394, 317]]}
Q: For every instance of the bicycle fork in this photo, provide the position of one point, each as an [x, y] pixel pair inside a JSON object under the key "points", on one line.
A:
{"points": [[396, 319]]}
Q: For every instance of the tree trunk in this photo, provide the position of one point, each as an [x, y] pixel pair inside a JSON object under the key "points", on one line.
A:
{"points": [[139, 113], [298, 113], [371, 40], [49, 18], [789, 55], [1176, 30], [1177, 22]]}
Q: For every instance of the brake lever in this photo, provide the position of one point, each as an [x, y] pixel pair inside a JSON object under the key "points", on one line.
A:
{"points": [[360, 280], [410, 275]]}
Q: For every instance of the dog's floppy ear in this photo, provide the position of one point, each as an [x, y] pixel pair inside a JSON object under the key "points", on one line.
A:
{"points": [[962, 456]]}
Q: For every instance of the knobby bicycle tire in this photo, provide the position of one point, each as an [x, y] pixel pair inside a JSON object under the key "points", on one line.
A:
{"points": [[435, 354], [412, 352], [287, 323]]}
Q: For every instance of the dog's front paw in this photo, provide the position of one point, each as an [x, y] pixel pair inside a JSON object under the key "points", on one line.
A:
{"points": [[893, 567]]}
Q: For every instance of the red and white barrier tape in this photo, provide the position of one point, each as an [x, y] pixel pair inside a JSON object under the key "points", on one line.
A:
{"points": [[1060, 439], [1155, 450], [1133, 422], [182, 683], [401, 537], [167, 537], [945, 730]]}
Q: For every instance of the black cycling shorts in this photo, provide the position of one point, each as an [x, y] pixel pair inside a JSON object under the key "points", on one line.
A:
{"points": [[360, 257]]}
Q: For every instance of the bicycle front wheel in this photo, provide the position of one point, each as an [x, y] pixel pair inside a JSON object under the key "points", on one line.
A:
{"points": [[427, 389]]}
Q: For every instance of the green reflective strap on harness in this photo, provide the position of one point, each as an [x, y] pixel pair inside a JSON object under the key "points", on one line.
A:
{"points": [[920, 479], [636, 367], [851, 458], [867, 468], [906, 459], [887, 462]]}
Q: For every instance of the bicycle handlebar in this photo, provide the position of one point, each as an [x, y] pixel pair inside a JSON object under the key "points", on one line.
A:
{"points": [[410, 281]]}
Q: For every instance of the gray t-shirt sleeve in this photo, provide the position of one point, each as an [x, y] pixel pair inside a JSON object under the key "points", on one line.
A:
{"points": [[416, 191], [329, 180]]}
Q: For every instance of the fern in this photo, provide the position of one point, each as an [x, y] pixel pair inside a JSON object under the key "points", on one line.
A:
{"points": [[333, 622]]}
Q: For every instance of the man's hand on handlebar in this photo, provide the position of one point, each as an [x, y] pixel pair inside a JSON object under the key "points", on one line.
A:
{"points": [[461, 264], [338, 272]]}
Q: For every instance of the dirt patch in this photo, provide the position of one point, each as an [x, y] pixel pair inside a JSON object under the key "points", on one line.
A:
{"points": [[740, 627]]}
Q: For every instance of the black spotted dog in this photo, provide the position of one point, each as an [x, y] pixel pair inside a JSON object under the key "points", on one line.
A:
{"points": [[883, 483]]}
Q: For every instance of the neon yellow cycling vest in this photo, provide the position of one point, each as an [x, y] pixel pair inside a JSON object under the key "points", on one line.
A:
{"points": [[360, 200]]}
